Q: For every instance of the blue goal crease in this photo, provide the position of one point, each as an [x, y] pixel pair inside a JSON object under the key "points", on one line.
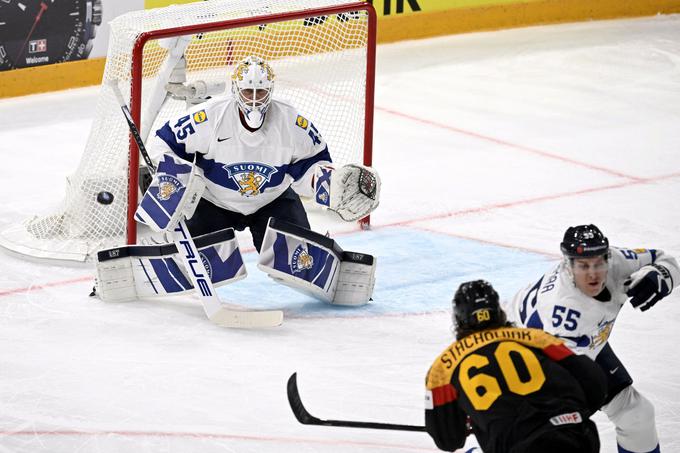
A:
{"points": [[417, 272]]}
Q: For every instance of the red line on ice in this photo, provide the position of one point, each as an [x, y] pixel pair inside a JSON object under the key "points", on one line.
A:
{"points": [[509, 204], [8, 292], [460, 212], [508, 144]]}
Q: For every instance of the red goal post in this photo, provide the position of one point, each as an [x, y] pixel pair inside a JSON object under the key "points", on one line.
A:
{"points": [[137, 75]]}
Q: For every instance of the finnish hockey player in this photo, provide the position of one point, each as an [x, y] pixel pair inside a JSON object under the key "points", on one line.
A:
{"points": [[522, 389], [579, 301], [242, 161]]}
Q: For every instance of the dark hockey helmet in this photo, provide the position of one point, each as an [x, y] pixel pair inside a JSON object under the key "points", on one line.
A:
{"points": [[475, 306], [584, 241]]}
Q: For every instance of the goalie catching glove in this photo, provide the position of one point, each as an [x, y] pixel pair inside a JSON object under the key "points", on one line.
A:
{"points": [[173, 194], [352, 191]]}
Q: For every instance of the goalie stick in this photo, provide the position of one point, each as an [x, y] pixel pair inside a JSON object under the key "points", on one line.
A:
{"points": [[216, 311], [306, 418]]}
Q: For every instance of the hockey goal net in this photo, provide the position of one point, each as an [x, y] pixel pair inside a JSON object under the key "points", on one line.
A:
{"points": [[323, 54]]}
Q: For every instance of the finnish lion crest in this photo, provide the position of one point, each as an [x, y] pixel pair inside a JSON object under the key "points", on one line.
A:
{"points": [[323, 198], [167, 186], [602, 335], [250, 177], [250, 183], [301, 260]]}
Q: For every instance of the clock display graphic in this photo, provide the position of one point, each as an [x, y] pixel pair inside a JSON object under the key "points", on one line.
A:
{"points": [[38, 32]]}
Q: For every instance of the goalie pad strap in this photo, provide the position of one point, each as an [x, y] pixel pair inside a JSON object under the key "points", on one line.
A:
{"points": [[313, 236], [358, 258], [320, 239], [163, 249]]}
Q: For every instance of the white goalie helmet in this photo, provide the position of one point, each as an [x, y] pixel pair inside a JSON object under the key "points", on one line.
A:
{"points": [[252, 84]]}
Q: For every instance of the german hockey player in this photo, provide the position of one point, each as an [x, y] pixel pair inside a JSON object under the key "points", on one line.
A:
{"points": [[521, 389]]}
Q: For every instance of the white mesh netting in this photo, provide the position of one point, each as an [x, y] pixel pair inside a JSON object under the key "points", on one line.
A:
{"points": [[321, 68]]}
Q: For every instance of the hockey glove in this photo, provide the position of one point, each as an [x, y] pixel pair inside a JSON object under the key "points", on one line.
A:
{"points": [[352, 191], [648, 285]]}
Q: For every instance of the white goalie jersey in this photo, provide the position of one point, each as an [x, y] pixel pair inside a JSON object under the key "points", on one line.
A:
{"points": [[242, 170], [555, 305]]}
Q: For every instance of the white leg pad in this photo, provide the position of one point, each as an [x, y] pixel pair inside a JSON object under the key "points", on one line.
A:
{"points": [[356, 280], [115, 280], [147, 271], [315, 265], [633, 416]]}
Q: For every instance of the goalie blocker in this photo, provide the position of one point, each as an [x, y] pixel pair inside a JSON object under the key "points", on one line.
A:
{"points": [[146, 271], [314, 264]]}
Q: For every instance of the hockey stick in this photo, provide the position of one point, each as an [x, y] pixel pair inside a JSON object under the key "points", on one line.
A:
{"points": [[217, 312], [306, 418]]}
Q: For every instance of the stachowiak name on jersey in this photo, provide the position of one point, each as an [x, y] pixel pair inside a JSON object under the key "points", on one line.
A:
{"points": [[512, 384], [460, 348], [446, 363]]}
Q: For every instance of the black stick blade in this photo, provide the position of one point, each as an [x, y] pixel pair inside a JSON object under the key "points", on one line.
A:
{"points": [[306, 418], [296, 405]]}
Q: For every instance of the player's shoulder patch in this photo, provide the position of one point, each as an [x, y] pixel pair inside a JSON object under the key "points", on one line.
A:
{"points": [[200, 117], [302, 122], [640, 250]]}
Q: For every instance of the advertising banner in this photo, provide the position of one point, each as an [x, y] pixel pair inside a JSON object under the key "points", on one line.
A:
{"points": [[388, 8], [36, 33]]}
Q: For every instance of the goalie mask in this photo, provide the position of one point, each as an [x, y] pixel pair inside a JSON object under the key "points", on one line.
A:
{"points": [[476, 307], [252, 84]]}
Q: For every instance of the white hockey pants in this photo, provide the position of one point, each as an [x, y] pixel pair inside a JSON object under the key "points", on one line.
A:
{"points": [[633, 415]]}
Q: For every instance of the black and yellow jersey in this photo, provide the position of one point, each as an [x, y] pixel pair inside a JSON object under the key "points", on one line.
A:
{"points": [[510, 382]]}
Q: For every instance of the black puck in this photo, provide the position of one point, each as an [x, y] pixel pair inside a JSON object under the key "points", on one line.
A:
{"points": [[104, 197]]}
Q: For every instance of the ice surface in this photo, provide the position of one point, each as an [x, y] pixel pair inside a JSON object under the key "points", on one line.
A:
{"points": [[489, 145]]}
